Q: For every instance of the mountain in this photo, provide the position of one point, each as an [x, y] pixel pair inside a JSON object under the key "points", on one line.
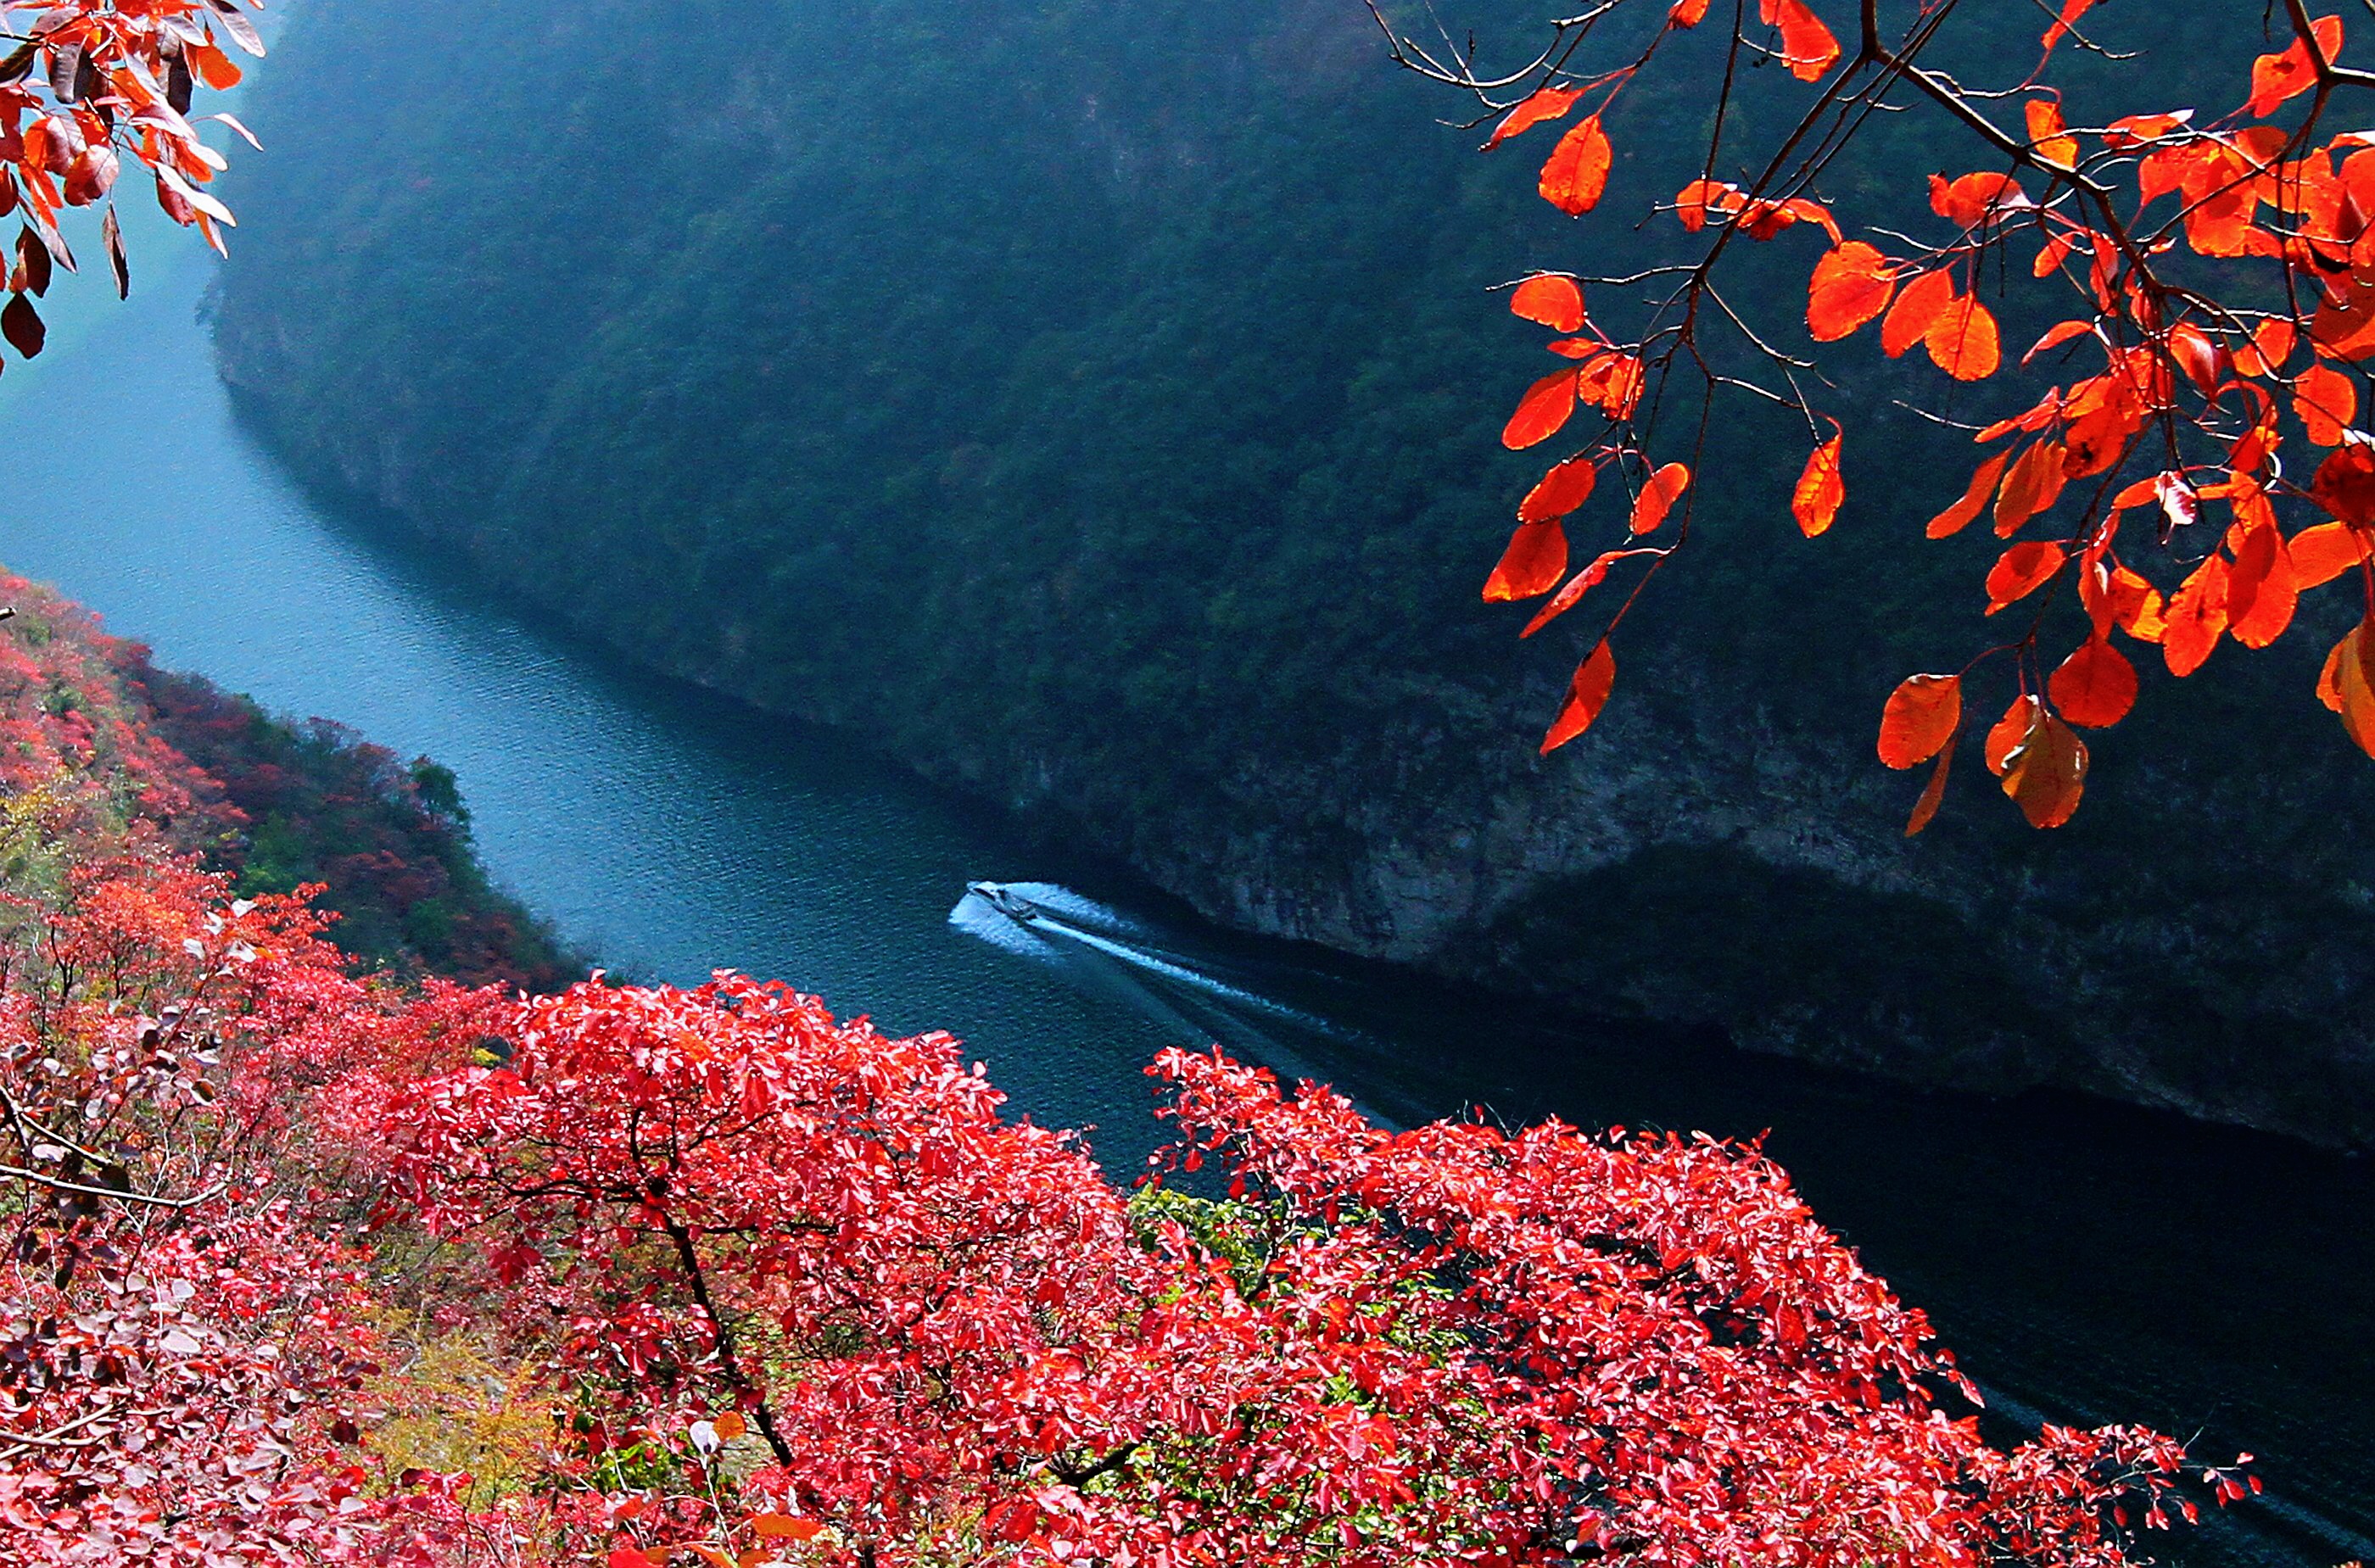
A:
{"points": [[1096, 406]]}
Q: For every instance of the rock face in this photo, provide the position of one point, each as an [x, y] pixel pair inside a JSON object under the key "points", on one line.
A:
{"points": [[1094, 405]]}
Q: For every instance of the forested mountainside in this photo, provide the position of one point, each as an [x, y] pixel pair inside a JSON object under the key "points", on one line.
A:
{"points": [[1096, 406], [93, 730]]}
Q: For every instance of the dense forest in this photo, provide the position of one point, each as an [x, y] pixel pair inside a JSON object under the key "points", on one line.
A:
{"points": [[1095, 407]]}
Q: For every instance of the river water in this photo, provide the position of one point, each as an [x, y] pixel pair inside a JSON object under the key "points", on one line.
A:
{"points": [[2090, 1263]]}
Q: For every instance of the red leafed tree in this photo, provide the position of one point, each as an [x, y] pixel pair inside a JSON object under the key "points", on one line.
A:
{"points": [[802, 1285], [2179, 461], [89, 85]]}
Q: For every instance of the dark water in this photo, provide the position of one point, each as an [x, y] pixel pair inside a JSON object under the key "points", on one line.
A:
{"points": [[2090, 1263]]}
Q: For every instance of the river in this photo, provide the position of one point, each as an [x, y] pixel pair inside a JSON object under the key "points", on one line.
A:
{"points": [[2089, 1262]]}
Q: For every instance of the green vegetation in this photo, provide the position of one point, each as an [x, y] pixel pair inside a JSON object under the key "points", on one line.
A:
{"points": [[314, 804]]}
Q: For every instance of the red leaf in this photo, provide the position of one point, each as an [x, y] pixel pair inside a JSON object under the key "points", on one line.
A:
{"points": [[1851, 285], [21, 326], [2261, 592], [2344, 485], [2060, 333], [1916, 308], [1586, 695], [1921, 717], [1582, 583], [1576, 173], [2094, 685], [1957, 517], [2034, 484], [1815, 502], [1547, 405], [2277, 78], [2020, 571], [1932, 794], [1963, 340], [2325, 552], [1532, 564], [2326, 401], [1561, 491], [1657, 498], [2046, 775], [1550, 298], [1807, 46], [1550, 104], [2197, 615], [2010, 731]]}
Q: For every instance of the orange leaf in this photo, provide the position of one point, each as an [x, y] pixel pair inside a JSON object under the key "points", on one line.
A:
{"points": [[783, 1527], [2094, 685], [2261, 592], [1963, 340], [2276, 77], [2020, 571], [1546, 406], [1550, 104], [2326, 401], [2059, 334], [1851, 285], [1532, 564], [2136, 606], [2067, 20], [1932, 794], [2271, 346], [1576, 173], [1550, 298], [1807, 46], [2010, 731], [2034, 484], [1586, 695], [1561, 491], [2047, 775], [1582, 583], [1921, 717], [214, 67], [1909, 320], [1815, 502], [1957, 517], [2324, 553], [2197, 616], [1658, 497], [1687, 13], [2353, 691], [1967, 202], [729, 1426], [2046, 140]]}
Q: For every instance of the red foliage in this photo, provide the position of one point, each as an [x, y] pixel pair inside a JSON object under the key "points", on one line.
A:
{"points": [[2197, 382], [95, 83], [798, 1292]]}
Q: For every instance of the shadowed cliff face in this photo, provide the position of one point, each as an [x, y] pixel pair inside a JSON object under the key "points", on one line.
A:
{"points": [[1096, 407]]}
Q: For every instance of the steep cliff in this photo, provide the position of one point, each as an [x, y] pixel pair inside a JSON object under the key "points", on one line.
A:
{"points": [[1094, 405]]}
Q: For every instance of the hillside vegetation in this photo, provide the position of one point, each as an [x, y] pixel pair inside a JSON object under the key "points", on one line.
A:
{"points": [[1096, 406]]}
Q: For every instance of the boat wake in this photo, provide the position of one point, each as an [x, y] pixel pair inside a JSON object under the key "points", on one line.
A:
{"points": [[1188, 995]]}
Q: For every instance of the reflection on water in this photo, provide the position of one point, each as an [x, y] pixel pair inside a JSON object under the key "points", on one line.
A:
{"points": [[2089, 1262]]}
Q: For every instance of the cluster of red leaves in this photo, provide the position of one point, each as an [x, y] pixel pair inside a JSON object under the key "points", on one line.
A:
{"points": [[852, 1312], [90, 84], [804, 1294], [2204, 380]]}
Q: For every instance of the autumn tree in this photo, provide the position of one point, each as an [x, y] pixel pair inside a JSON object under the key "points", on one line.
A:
{"points": [[803, 1289], [2181, 461], [89, 86]]}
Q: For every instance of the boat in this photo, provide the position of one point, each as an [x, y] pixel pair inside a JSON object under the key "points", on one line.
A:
{"points": [[1006, 901]]}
